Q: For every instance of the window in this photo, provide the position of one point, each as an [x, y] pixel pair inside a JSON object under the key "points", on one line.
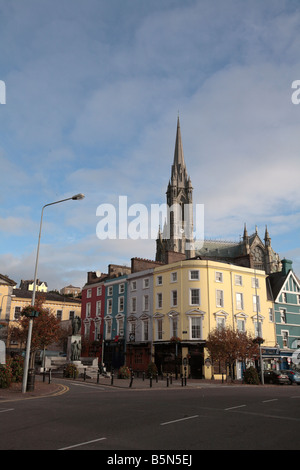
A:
{"points": [[120, 326], [159, 330], [145, 330], [239, 301], [99, 290], [255, 282], [194, 275], [219, 298], [219, 276], [174, 326], [133, 285], [59, 314], [174, 298], [121, 288], [89, 293], [298, 299], [146, 303], [88, 310], [146, 283], [285, 338], [132, 328], [121, 304], [174, 277], [195, 327], [98, 308], [282, 315], [194, 296], [256, 303], [87, 328], [133, 304], [238, 280], [241, 324], [283, 297], [271, 315], [17, 313], [108, 329], [109, 306], [97, 331], [71, 314], [159, 280], [110, 291], [159, 300], [221, 323], [258, 329]]}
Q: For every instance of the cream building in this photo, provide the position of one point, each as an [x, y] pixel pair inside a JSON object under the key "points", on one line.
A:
{"points": [[193, 297]]}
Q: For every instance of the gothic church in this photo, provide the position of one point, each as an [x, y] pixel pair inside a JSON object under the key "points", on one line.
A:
{"points": [[177, 234]]}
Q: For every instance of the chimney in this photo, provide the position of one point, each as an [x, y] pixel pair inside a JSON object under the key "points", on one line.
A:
{"points": [[286, 266]]}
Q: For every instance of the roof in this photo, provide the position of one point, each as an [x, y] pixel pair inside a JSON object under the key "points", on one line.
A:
{"points": [[49, 296], [7, 280], [226, 249]]}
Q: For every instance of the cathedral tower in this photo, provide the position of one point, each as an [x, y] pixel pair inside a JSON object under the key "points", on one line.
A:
{"points": [[177, 235]]}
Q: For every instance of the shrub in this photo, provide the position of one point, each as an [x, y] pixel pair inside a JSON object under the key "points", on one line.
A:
{"points": [[5, 376], [124, 373], [251, 376], [152, 369], [17, 366], [71, 371]]}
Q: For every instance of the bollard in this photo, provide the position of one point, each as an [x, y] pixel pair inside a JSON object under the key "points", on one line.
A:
{"points": [[185, 378], [150, 380], [131, 380], [143, 376], [156, 377], [181, 379], [44, 374], [112, 379], [167, 380], [84, 374], [98, 376], [49, 376], [171, 379]]}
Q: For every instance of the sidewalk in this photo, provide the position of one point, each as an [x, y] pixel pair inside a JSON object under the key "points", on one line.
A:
{"points": [[59, 385], [139, 384], [41, 389]]}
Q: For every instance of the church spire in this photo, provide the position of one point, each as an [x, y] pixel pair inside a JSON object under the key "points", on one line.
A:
{"points": [[179, 173]]}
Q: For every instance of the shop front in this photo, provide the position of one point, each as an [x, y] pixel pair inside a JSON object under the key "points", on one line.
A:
{"points": [[138, 356], [114, 354]]}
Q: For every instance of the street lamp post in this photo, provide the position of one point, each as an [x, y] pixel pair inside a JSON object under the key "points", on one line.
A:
{"points": [[28, 345]]}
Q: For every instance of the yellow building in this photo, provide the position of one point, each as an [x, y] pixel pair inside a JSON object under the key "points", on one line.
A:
{"points": [[192, 298], [63, 307], [6, 291]]}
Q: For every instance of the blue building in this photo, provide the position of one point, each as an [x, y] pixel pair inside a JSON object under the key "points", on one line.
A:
{"points": [[115, 315], [285, 288]]}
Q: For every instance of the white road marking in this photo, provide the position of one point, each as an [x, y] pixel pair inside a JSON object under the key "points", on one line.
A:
{"points": [[268, 401], [83, 443], [178, 420], [8, 409], [234, 407]]}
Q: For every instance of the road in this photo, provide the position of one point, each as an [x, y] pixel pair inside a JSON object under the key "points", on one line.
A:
{"points": [[94, 417]]}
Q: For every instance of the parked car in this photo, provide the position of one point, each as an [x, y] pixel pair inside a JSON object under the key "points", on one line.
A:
{"points": [[276, 377], [293, 375]]}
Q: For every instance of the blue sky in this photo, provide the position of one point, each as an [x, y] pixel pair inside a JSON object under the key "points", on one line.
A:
{"points": [[93, 90]]}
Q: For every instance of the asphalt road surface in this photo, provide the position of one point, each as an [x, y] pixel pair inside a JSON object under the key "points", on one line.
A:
{"points": [[94, 417]]}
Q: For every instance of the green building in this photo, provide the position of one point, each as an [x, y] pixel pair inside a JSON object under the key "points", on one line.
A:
{"points": [[285, 287]]}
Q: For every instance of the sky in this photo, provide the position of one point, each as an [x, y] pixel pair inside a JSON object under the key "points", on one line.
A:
{"points": [[93, 90]]}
